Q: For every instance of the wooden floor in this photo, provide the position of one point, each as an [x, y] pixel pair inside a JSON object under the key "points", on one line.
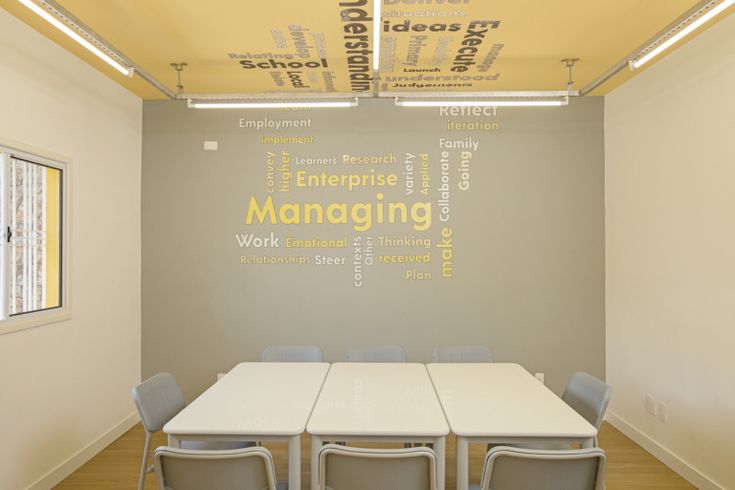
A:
{"points": [[629, 466]]}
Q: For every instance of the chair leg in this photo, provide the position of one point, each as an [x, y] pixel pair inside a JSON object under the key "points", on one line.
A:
{"points": [[144, 464]]}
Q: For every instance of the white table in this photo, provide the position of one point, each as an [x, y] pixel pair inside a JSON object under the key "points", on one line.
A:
{"points": [[502, 404], [378, 403], [260, 401]]}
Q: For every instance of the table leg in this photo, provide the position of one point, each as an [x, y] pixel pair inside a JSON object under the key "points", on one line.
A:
{"points": [[174, 441], [294, 463], [463, 463], [441, 459], [316, 445]]}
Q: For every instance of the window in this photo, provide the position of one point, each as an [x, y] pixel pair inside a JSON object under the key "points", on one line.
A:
{"points": [[32, 211]]}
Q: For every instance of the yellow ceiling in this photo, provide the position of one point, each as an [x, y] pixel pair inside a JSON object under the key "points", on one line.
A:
{"points": [[514, 44]]}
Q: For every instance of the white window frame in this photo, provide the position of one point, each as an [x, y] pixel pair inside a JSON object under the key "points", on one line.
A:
{"points": [[52, 315]]}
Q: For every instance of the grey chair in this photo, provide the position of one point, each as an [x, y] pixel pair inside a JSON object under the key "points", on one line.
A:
{"points": [[351, 468], [509, 468], [376, 353], [589, 397], [158, 399], [238, 469], [292, 353], [462, 353]]}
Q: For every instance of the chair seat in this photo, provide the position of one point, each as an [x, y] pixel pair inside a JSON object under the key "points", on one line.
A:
{"points": [[215, 445]]}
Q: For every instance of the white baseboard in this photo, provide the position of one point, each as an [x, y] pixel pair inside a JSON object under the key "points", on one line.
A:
{"points": [[56, 475], [687, 471]]}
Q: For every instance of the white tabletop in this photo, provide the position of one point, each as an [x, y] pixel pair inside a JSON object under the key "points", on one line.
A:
{"points": [[255, 398], [494, 399], [376, 399]]}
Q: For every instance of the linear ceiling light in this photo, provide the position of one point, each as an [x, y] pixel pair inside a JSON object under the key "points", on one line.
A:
{"points": [[125, 70], [259, 104], [376, 34], [482, 103], [667, 40]]}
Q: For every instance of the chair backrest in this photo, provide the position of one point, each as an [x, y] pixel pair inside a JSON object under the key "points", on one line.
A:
{"points": [[376, 353], [462, 353], [588, 396], [158, 399], [234, 469], [292, 353], [351, 468], [508, 468]]}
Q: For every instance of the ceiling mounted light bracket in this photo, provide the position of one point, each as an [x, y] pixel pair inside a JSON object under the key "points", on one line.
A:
{"points": [[682, 26], [569, 63], [57, 16], [704, 12], [69, 24], [377, 17], [179, 67], [539, 98]]}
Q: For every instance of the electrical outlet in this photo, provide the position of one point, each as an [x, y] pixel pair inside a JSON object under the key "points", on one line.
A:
{"points": [[540, 377], [662, 411], [650, 404]]}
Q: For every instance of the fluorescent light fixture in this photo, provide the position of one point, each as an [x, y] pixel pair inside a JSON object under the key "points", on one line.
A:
{"points": [[125, 70], [638, 62], [256, 104], [482, 103], [376, 33]]}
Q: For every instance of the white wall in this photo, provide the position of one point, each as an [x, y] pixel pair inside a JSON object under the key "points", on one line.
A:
{"points": [[66, 385], [670, 265]]}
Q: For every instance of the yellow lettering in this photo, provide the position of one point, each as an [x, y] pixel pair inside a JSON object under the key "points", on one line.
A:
{"points": [[300, 174], [342, 208], [293, 210], [254, 209], [421, 216], [308, 208], [392, 207], [362, 216]]}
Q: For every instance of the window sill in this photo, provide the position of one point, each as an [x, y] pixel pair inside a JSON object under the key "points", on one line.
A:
{"points": [[33, 320]]}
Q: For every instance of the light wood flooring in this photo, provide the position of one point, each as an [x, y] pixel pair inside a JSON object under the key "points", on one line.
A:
{"points": [[629, 466]]}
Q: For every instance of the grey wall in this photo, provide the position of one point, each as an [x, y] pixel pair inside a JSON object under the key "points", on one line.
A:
{"points": [[528, 240]]}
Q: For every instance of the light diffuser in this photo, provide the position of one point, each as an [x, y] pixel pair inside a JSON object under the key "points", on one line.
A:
{"points": [[481, 103], [655, 51], [125, 70], [256, 104]]}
